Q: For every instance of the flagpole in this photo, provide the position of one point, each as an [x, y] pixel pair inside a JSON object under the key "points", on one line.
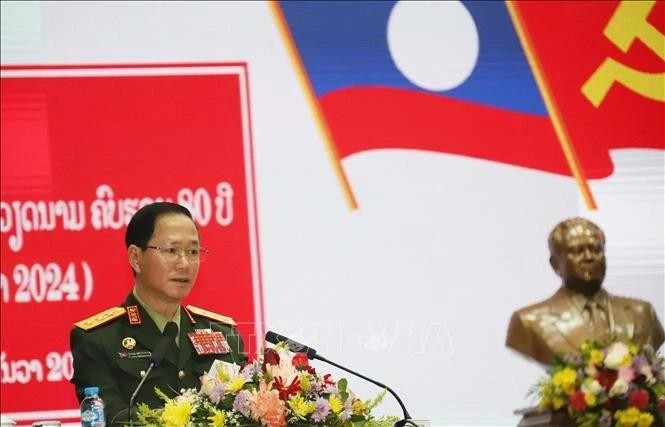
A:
{"points": [[555, 116], [314, 104]]}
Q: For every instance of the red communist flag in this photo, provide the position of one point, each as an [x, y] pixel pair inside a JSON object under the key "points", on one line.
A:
{"points": [[604, 66]]}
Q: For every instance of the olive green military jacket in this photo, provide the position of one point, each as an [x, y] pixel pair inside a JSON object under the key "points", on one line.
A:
{"points": [[112, 351]]}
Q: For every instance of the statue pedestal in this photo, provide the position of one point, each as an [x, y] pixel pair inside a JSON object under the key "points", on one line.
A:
{"points": [[534, 417]]}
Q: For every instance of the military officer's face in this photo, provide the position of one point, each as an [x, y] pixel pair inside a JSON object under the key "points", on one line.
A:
{"points": [[581, 259], [166, 273]]}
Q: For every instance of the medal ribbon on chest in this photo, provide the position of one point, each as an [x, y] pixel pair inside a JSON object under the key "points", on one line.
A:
{"points": [[206, 341]]}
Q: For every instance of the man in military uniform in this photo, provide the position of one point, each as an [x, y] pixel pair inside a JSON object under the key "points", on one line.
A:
{"points": [[113, 349], [580, 310]]}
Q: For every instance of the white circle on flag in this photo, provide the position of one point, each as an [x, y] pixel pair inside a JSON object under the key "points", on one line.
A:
{"points": [[433, 44]]}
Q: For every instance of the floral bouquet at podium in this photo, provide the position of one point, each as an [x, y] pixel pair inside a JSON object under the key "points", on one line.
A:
{"points": [[615, 385], [280, 388]]}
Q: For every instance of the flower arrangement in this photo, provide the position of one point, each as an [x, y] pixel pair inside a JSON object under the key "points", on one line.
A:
{"points": [[279, 388], [616, 385]]}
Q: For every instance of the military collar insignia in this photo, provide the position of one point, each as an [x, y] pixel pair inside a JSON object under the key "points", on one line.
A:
{"points": [[189, 316], [134, 315]]}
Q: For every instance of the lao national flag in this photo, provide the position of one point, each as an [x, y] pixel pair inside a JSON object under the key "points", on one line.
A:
{"points": [[442, 76], [604, 64]]}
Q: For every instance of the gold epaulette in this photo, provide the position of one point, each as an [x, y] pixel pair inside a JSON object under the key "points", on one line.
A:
{"points": [[210, 315], [100, 318]]}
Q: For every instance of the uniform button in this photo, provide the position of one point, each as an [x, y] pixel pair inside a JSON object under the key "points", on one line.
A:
{"points": [[181, 374], [142, 374]]}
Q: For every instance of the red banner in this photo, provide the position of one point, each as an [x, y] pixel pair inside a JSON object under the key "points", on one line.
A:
{"points": [[83, 147], [604, 63]]}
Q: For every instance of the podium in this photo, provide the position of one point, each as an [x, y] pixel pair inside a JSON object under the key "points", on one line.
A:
{"points": [[534, 417]]}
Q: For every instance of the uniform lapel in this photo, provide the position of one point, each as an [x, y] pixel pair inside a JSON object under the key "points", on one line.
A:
{"points": [[147, 332], [186, 348]]}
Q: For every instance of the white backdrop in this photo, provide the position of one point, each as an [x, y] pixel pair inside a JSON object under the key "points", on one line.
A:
{"points": [[416, 287]]}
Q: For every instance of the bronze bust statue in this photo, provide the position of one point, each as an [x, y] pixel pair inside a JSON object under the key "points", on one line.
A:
{"points": [[581, 309]]}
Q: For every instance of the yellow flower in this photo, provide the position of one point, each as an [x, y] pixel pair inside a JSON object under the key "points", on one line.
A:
{"points": [[558, 402], [236, 384], [176, 414], [305, 383], [627, 360], [335, 404], [565, 380], [222, 374], [587, 346], [301, 407], [596, 357], [627, 417], [359, 407], [645, 420], [590, 399], [634, 349], [217, 419]]}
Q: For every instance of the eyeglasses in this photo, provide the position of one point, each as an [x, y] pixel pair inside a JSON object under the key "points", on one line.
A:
{"points": [[171, 254]]}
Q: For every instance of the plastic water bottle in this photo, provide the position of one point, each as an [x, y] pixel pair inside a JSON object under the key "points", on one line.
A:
{"points": [[92, 408]]}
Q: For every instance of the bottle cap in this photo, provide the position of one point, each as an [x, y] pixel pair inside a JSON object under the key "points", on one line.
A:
{"points": [[89, 391]]}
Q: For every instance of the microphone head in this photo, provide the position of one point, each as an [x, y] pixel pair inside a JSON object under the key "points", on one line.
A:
{"points": [[274, 338], [294, 346]]}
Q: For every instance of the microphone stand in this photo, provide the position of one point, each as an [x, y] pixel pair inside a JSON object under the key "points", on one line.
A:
{"points": [[136, 392], [168, 335], [401, 423]]}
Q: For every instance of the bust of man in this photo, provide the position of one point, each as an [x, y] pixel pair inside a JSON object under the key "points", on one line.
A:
{"points": [[581, 309]]}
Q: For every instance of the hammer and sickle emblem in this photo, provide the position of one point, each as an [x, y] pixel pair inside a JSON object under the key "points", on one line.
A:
{"points": [[629, 23]]}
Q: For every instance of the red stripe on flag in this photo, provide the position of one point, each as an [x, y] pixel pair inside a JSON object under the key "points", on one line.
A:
{"points": [[365, 118]]}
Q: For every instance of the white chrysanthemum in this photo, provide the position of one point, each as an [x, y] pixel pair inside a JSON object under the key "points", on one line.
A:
{"points": [[617, 355], [224, 370], [208, 384], [620, 387], [592, 387]]}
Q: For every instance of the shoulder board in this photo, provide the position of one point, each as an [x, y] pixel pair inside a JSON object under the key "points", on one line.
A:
{"points": [[101, 318], [210, 315]]}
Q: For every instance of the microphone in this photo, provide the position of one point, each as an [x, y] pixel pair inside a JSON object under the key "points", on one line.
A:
{"points": [[295, 346], [162, 347]]}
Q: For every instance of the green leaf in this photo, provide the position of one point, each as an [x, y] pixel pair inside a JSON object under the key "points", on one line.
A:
{"points": [[341, 386]]}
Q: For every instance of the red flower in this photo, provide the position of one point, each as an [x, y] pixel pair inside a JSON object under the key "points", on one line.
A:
{"points": [[300, 360], [287, 390], [606, 378], [661, 405], [270, 357], [639, 399], [577, 402], [327, 380]]}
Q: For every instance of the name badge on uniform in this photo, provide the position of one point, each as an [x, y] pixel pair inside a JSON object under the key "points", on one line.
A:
{"points": [[134, 355], [206, 341]]}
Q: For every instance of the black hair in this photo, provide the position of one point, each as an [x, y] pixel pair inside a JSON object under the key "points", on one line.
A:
{"points": [[142, 225]]}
